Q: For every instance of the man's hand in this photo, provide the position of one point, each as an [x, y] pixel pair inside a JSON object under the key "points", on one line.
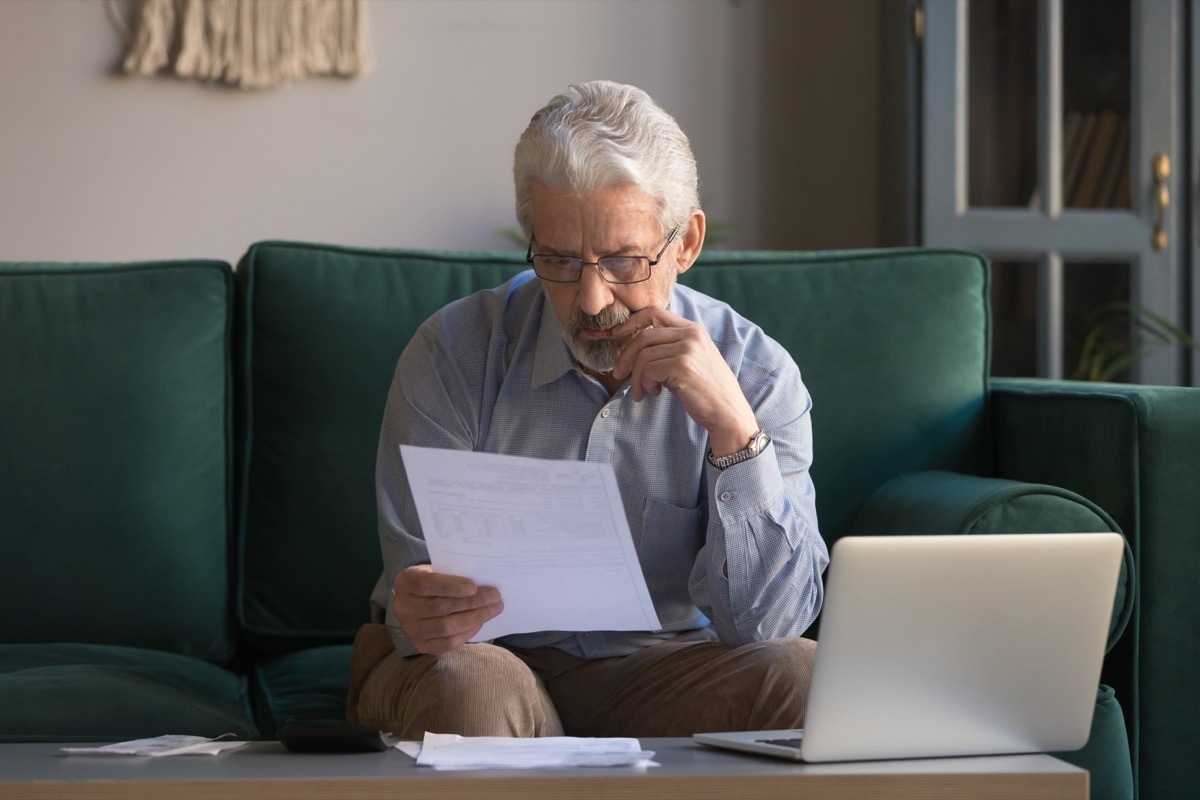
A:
{"points": [[440, 612], [678, 354]]}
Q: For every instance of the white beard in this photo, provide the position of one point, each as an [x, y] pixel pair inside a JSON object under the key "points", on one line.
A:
{"points": [[597, 355]]}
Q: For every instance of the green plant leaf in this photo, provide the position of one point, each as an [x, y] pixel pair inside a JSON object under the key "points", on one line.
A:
{"points": [[1119, 333]]}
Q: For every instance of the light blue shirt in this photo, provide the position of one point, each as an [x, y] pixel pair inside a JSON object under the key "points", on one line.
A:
{"points": [[492, 373]]}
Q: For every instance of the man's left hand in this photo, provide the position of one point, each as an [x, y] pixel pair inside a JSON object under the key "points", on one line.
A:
{"points": [[675, 353]]}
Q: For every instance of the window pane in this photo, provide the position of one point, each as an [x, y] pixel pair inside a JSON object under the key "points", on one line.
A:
{"points": [[1097, 342], [1002, 104], [1014, 319], [1096, 102]]}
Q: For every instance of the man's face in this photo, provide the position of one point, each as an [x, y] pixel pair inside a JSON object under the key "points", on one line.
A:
{"points": [[618, 221]]}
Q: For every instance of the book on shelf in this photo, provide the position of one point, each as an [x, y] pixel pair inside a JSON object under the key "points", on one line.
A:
{"points": [[1116, 168], [1086, 193], [1081, 126], [1095, 161]]}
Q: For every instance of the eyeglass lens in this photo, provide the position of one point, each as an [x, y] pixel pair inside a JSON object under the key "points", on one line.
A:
{"points": [[614, 269]]}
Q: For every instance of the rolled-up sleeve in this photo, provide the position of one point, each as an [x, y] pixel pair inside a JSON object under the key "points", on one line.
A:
{"points": [[759, 574]]}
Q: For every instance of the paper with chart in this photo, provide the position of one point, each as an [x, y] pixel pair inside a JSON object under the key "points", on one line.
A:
{"points": [[550, 535]]}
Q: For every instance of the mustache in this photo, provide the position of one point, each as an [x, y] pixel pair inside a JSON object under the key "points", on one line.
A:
{"points": [[607, 318]]}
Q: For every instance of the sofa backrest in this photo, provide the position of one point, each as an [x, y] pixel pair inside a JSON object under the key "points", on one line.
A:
{"points": [[321, 331], [115, 467], [892, 344]]}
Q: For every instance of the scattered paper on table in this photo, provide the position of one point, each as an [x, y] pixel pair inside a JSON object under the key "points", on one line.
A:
{"points": [[550, 535], [170, 745], [446, 751], [408, 747]]}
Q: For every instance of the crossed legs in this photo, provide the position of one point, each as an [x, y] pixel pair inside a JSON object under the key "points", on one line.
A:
{"points": [[676, 688]]}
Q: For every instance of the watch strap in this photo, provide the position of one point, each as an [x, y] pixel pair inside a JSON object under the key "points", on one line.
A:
{"points": [[758, 442]]}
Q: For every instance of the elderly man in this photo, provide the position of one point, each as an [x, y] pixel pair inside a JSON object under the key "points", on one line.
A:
{"points": [[598, 355]]}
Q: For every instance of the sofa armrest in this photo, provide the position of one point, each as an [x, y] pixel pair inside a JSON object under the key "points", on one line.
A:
{"points": [[1135, 451], [936, 502]]}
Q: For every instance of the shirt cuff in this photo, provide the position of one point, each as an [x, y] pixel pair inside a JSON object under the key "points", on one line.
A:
{"points": [[745, 488]]}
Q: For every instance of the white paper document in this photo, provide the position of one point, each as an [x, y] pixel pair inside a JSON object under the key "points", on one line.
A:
{"points": [[550, 535], [169, 745], [450, 751]]}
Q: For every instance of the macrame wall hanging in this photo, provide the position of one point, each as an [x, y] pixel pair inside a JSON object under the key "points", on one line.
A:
{"points": [[251, 44]]}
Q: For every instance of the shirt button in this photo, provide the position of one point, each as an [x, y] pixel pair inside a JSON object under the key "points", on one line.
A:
{"points": [[726, 496], [605, 412]]}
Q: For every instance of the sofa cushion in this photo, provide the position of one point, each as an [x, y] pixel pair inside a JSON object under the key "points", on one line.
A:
{"points": [[115, 474], [936, 502], [85, 693], [893, 346], [308, 684], [322, 329]]}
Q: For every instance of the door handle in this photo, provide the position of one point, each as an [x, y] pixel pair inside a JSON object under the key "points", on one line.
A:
{"points": [[1160, 165]]}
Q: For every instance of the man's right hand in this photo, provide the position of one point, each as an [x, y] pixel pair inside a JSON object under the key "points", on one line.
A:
{"points": [[440, 612]]}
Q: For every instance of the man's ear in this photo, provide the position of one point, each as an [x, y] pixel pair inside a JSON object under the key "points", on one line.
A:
{"points": [[692, 241]]}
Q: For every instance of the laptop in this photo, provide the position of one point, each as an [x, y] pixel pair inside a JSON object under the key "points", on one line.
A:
{"points": [[937, 646]]}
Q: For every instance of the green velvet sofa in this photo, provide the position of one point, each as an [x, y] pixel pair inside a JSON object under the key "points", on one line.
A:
{"points": [[187, 532]]}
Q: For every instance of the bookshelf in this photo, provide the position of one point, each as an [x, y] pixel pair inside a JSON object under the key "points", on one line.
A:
{"points": [[1080, 97]]}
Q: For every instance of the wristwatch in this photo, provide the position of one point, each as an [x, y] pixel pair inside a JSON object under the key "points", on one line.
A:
{"points": [[758, 442]]}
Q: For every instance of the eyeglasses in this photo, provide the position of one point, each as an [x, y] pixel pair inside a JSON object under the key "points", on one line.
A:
{"points": [[614, 269]]}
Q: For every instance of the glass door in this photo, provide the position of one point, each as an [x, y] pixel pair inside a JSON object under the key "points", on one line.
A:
{"points": [[1051, 144]]}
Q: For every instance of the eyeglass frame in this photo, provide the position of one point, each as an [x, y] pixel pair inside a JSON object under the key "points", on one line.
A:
{"points": [[653, 262]]}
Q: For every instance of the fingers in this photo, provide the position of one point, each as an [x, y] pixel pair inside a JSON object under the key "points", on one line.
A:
{"points": [[653, 325], [440, 612], [648, 317], [422, 581], [441, 635], [678, 355], [660, 359], [661, 355]]}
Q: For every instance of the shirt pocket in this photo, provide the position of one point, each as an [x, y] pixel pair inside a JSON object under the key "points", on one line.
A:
{"points": [[671, 539]]}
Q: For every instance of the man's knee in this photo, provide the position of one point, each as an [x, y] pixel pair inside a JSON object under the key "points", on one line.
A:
{"points": [[477, 675], [784, 669], [475, 690], [788, 660]]}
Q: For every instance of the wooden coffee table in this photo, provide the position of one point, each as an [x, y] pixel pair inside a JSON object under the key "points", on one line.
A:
{"points": [[689, 771]]}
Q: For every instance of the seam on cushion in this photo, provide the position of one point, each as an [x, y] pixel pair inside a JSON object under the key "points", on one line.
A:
{"points": [[247, 703], [500, 258], [265, 712], [229, 653], [246, 272], [506, 257], [1007, 493], [987, 436], [56, 268]]}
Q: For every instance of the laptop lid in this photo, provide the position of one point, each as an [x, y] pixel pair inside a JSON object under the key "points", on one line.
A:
{"points": [[961, 645], [934, 646]]}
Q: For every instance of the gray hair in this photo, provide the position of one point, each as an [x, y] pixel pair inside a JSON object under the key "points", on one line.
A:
{"points": [[601, 134]]}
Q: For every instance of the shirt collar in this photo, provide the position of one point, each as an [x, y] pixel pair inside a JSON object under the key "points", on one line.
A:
{"points": [[551, 358]]}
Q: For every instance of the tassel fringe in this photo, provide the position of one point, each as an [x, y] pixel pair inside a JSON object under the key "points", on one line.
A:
{"points": [[251, 44]]}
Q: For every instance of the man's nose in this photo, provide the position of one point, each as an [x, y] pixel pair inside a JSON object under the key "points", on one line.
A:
{"points": [[595, 293]]}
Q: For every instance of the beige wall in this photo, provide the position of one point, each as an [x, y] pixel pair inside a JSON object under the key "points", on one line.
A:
{"points": [[779, 97]]}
